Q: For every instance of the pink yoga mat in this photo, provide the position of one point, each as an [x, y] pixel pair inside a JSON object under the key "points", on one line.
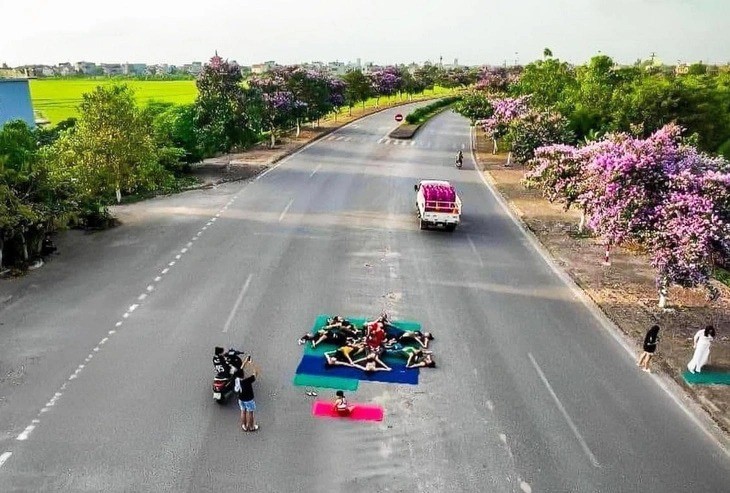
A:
{"points": [[362, 412]]}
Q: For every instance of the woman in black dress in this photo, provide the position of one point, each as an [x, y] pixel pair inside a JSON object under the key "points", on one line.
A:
{"points": [[650, 343]]}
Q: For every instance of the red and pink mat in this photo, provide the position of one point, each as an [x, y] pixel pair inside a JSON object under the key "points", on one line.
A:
{"points": [[360, 412]]}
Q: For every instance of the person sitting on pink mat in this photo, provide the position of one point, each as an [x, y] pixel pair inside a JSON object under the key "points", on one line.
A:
{"points": [[341, 406]]}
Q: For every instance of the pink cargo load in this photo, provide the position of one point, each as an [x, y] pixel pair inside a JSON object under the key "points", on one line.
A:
{"points": [[439, 196]]}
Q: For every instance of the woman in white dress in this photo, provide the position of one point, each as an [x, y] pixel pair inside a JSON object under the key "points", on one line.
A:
{"points": [[702, 341]]}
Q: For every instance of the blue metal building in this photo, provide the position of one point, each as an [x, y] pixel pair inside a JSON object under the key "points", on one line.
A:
{"points": [[15, 103]]}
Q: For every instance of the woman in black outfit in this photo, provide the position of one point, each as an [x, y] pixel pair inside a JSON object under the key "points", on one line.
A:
{"points": [[650, 343]]}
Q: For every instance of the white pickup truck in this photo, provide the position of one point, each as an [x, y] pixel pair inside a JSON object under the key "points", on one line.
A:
{"points": [[438, 204]]}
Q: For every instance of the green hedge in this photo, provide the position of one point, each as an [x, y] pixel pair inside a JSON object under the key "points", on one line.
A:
{"points": [[422, 114]]}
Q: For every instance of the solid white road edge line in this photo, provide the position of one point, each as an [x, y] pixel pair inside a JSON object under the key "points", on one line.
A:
{"points": [[238, 302], [565, 414], [601, 317]]}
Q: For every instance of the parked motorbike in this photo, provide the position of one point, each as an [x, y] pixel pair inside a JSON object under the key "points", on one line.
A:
{"points": [[224, 380], [222, 386]]}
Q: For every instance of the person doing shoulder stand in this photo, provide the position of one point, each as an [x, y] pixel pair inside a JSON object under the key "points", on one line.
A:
{"points": [[651, 339]]}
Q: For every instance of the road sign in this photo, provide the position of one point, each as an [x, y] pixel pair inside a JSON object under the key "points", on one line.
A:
{"points": [[399, 117]]}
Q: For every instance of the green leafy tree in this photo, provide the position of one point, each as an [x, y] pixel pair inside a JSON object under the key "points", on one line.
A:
{"points": [[548, 81], [223, 120], [358, 88], [110, 141], [29, 200], [474, 105], [427, 75], [697, 69]]}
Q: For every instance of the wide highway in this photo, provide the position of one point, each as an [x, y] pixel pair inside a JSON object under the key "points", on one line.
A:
{"points": [[105, 353]]}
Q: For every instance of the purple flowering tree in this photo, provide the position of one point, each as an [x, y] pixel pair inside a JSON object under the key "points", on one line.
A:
{"points": [[278, 107], [385, 82], [537, 128], [658, 191], [505, 110], [559, 172], [493, 79]]}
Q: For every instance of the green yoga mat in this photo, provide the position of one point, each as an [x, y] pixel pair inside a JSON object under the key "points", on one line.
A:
{"points": [[707, 378], [336, 383], [321, 321]]}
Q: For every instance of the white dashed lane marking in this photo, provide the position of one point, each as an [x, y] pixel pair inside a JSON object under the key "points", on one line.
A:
{"points": [[26, 433], [4, 458], [474, 249], [286, 209], [238, 302], [29, 429], [315, 170]]}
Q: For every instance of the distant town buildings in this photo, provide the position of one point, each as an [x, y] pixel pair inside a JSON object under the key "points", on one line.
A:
{"points": [[337, 68], [260, 68]]}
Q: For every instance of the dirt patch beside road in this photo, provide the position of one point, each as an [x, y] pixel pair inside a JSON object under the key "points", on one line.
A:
{"points": [[625, 290]]}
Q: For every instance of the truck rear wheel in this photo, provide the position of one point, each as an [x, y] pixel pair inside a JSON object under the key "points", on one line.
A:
{"points": [[450, 228], [423, 224]]}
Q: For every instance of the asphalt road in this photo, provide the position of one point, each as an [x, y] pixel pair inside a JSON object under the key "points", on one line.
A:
{"points": [[106, 351]]}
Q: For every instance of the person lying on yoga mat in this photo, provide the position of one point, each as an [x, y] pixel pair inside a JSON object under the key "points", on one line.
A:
{"points": [[342, 324], [340, 404], [333, 336], [422, 338], [393, 347], [343, 355], [372, 363], [420, 359]]}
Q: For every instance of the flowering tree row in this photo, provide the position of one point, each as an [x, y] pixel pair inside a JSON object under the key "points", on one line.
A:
{"points": [[659, 192]]}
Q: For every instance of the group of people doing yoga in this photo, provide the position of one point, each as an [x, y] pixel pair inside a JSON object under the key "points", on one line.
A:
{"points": [[363, 347]]}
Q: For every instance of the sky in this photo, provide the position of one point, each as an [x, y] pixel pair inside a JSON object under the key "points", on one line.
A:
{"points": [[382, 31]]}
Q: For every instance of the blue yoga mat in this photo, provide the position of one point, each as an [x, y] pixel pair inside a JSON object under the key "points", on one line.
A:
{"points": [[315, 365]]}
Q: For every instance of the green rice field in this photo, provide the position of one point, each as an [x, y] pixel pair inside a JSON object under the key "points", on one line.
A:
{"points": [[58, 99]]}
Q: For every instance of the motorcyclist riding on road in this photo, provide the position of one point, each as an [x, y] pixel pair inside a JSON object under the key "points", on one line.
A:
{"points": [[460, 158]]}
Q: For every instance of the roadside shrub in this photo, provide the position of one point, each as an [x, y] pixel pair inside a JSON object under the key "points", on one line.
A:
{"points": [[422, 114]]}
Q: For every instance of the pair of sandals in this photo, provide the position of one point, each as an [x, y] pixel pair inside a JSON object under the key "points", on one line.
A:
{"points": [[255, 427], [311, 393]]}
